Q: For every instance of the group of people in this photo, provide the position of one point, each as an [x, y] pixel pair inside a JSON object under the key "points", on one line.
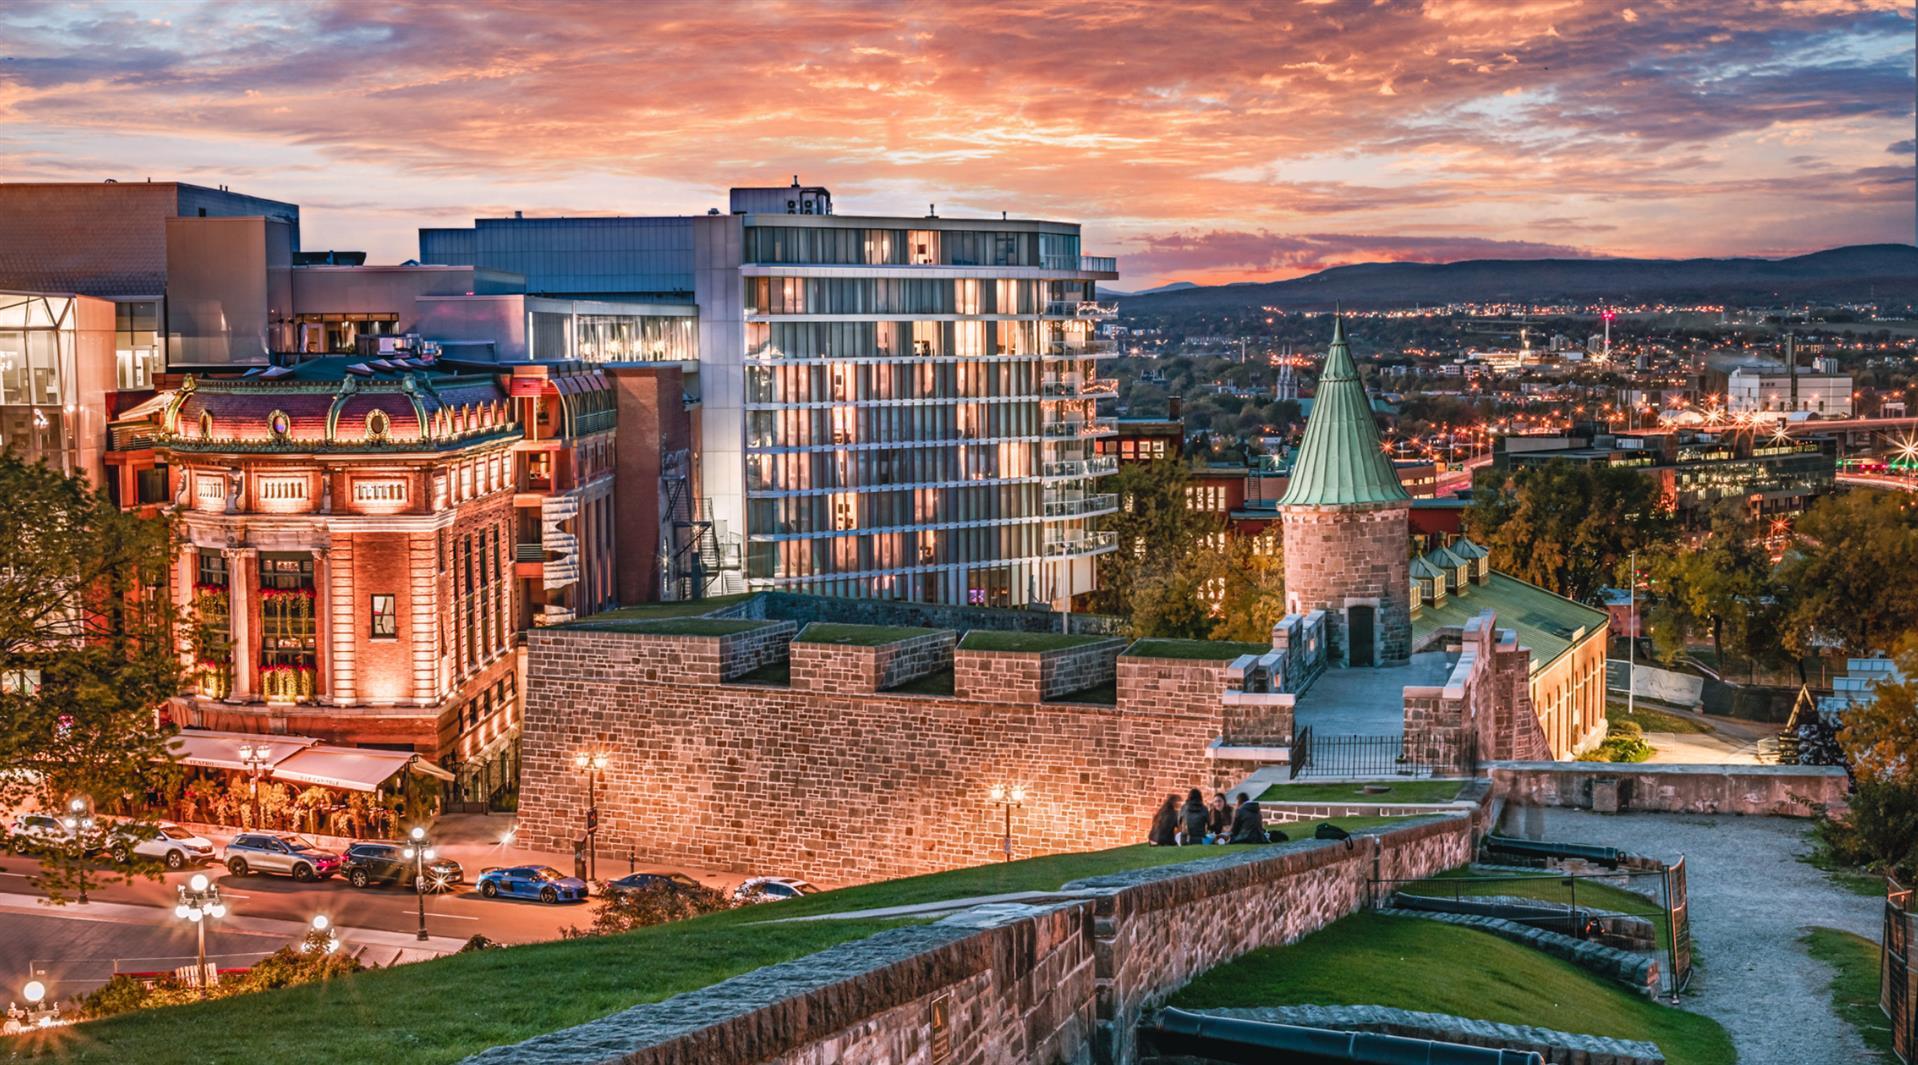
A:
{"points": [[1198, 822]]}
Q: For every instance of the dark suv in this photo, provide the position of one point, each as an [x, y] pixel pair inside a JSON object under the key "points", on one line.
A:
{"points": [[385, 862]]}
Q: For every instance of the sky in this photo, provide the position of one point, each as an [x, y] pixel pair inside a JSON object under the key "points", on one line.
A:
{"points": [[1198, 141]]}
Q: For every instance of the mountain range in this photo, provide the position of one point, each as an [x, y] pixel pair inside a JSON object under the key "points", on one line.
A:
{"points": [[1887, 273]]}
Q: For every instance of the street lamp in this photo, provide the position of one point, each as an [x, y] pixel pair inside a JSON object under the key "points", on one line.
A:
{"points": [[255, 758], [200, 903], [592, 765], [79, 826], [1009, 799], [320, 938], [419, 852], [35, 1015]]}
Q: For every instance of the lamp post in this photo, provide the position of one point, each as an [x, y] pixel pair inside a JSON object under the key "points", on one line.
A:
{"points": [[592, 765], [1009, 799], [254, 757], [35, 1015], [200, 903], [79, 826], [320, 938], [420, 852]]}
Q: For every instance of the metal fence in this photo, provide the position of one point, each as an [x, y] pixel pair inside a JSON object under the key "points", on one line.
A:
{"points": [[1377, 756], [1894, 968]]}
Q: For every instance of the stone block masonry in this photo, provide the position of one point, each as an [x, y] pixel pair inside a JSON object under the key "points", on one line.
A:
{"points": [[832, 781], [1034, 676], [1559, 1048], [1764, 790], [1062, 983], [839, 667]]}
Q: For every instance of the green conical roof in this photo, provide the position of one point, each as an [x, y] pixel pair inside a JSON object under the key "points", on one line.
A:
{"points": [[1340, 461]]}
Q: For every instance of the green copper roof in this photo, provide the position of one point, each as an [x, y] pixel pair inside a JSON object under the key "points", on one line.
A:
{"points": [[1340, 461], [1424, 570], [1463, 547], [1548, 624]]}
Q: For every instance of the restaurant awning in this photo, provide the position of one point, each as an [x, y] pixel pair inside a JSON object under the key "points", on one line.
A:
{"points": [[352, 768], [221, 750]]}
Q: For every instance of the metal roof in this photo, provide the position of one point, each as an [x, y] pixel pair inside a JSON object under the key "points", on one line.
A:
{"points": [[1340, 460], [1548, 624]]}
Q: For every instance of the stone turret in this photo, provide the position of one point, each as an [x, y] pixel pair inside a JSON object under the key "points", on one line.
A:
{"points": [[1344, 514]]}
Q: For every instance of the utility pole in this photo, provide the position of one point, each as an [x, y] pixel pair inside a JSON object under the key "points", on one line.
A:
{"points": [[1631, 645]]}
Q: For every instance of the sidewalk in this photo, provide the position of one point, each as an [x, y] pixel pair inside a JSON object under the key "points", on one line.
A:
{"points": [[398, 943]]}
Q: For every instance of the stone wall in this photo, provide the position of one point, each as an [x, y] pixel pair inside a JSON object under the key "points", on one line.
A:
{"points": [[808, 608], [1560, 1048], [1338, 556], [844, 667], [1066, 982], [1033, 676], [1773, 790], [842, 784], [1183, 685]]}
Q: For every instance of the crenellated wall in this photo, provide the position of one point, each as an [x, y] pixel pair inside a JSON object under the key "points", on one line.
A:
{"points": [[1033, 676], [841, 667]]}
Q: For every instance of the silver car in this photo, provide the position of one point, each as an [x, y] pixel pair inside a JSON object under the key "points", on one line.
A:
{"points": [[279, 852], [161, 841]]}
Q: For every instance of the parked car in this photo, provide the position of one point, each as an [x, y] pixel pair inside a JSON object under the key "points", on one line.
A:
{"points": [[646, 881], [772, 889], [37, 832], [279, 852], [542, 882], [162, 841], [381, 861]]}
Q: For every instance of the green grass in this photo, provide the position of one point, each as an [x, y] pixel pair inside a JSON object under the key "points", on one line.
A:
{"points": [[1371, 960], [1106, 694], [938, 682], [1651, 720], [1854, 984], [1223, 650], [1851, 878], [778, 672], [1544, 887], [858, 635], [685, 626], [656, 611], [988, 640], [446, 1009], [1402, 791]]}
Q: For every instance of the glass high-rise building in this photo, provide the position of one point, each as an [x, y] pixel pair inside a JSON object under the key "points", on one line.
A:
{"points": [[897, 408]]}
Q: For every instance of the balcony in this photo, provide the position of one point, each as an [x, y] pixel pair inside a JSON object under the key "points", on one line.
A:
{"points": [[1084, 544], [1074, 469], [1088, 348], [1085, 264], [1073, 386], [533, 552], [1081, 506], [1090, 310], [1080, 428]]}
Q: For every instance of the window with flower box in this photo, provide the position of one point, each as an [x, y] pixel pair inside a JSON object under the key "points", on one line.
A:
{"points": [[288, 627]]}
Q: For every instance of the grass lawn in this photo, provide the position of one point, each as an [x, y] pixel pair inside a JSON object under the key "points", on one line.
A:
{"points": [[1545, 887], [1220, 650], [1651, 720], [988, 640], [654, 611], [1370, 960], [1402, 791], [685, 626], [446, 1009], [858, 635], [1854, 984]]}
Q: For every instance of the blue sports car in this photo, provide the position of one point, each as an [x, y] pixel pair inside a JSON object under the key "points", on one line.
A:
{"points": [[542, 882]]}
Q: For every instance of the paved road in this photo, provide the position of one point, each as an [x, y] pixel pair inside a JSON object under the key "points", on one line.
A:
{"points": [[1751, 899]]}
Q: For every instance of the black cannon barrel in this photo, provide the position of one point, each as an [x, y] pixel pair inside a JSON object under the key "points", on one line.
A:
{"points": [[1543, 848], [1175, 1031]]}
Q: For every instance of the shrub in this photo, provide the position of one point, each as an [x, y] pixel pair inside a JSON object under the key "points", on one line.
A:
{"points": [[656, 903], [1881, 832]]}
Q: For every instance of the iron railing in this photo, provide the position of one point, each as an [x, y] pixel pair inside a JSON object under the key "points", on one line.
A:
{"points": [[1380, 756]]}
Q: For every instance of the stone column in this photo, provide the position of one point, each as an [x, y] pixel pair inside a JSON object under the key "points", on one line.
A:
{"points": [[322, 626], [338, 632], [242, 586]]}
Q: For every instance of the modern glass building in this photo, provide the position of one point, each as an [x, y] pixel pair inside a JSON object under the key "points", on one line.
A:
{"points": [[898, 408]]}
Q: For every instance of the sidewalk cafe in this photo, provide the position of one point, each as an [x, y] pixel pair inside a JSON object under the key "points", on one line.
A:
{"points": [[297, 783]]}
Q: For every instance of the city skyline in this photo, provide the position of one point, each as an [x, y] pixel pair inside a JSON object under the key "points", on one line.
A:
{"points": [[1208, 145]]}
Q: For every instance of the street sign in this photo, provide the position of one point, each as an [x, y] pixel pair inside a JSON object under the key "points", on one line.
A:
{"points": [[592, 819]]}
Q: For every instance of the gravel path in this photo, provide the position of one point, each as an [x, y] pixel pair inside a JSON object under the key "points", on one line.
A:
{"points": [[1751, 900]]}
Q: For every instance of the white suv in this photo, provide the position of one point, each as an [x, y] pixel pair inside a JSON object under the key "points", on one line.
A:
{"points": [[161, 841], [772, 889], [38, 832]]}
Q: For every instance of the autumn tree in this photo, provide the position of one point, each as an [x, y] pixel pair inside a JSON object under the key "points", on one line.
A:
{"points": [[1721, 585], [87, 658], [1567, 527], [1853, 573], [1155, 527]]}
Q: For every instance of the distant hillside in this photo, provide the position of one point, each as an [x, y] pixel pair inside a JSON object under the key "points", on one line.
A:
{"points": [[1888, 271], [1175, 286]]}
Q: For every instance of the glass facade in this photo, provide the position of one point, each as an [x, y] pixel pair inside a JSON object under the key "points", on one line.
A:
{"points": [[914, 437], [138, 355]]}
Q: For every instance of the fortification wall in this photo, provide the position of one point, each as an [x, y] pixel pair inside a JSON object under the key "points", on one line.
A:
{"points": [[836, 782]]}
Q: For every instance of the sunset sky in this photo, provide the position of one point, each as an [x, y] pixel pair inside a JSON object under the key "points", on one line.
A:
{"points": [[1202, 143]]}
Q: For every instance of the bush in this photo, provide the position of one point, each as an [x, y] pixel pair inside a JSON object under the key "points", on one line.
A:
{"points": [[479, 943], [1624, 742], [1881, 832], [285, 967], [657, 903]]}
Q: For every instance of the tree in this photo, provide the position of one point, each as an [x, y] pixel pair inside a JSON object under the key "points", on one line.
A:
{"points": [[87, 657], [1567, 527], [1880, 738], [1155, 526], [1252, 573], [1723, 583], [1853, 573]]}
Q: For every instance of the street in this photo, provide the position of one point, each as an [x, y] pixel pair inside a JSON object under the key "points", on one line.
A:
{"points": [[131, 926]]}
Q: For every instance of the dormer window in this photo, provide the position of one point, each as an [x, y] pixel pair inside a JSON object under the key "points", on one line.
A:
{"points": [[378, 426], [279, 425]]}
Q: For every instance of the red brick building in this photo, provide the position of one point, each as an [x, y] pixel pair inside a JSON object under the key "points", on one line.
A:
{"points": [[361, 543]]}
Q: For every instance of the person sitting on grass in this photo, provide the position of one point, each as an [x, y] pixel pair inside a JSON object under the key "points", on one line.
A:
{"points": [[1218, 819], [1248, 822], [1192, 818], [1165, 824]]}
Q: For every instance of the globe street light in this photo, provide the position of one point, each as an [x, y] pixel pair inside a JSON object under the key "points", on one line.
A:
{"points": [[255, 756], [200, 903], [79, 826], [320, 937], [34, 1015], [592, 765], [419, 852], [1009, 799]]}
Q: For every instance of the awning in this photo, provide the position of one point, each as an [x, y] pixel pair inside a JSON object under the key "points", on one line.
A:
{"points": [[352, 768], [221, 750]]}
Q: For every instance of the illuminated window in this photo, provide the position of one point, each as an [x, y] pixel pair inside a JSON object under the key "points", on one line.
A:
{"points": [[386, 618]]}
